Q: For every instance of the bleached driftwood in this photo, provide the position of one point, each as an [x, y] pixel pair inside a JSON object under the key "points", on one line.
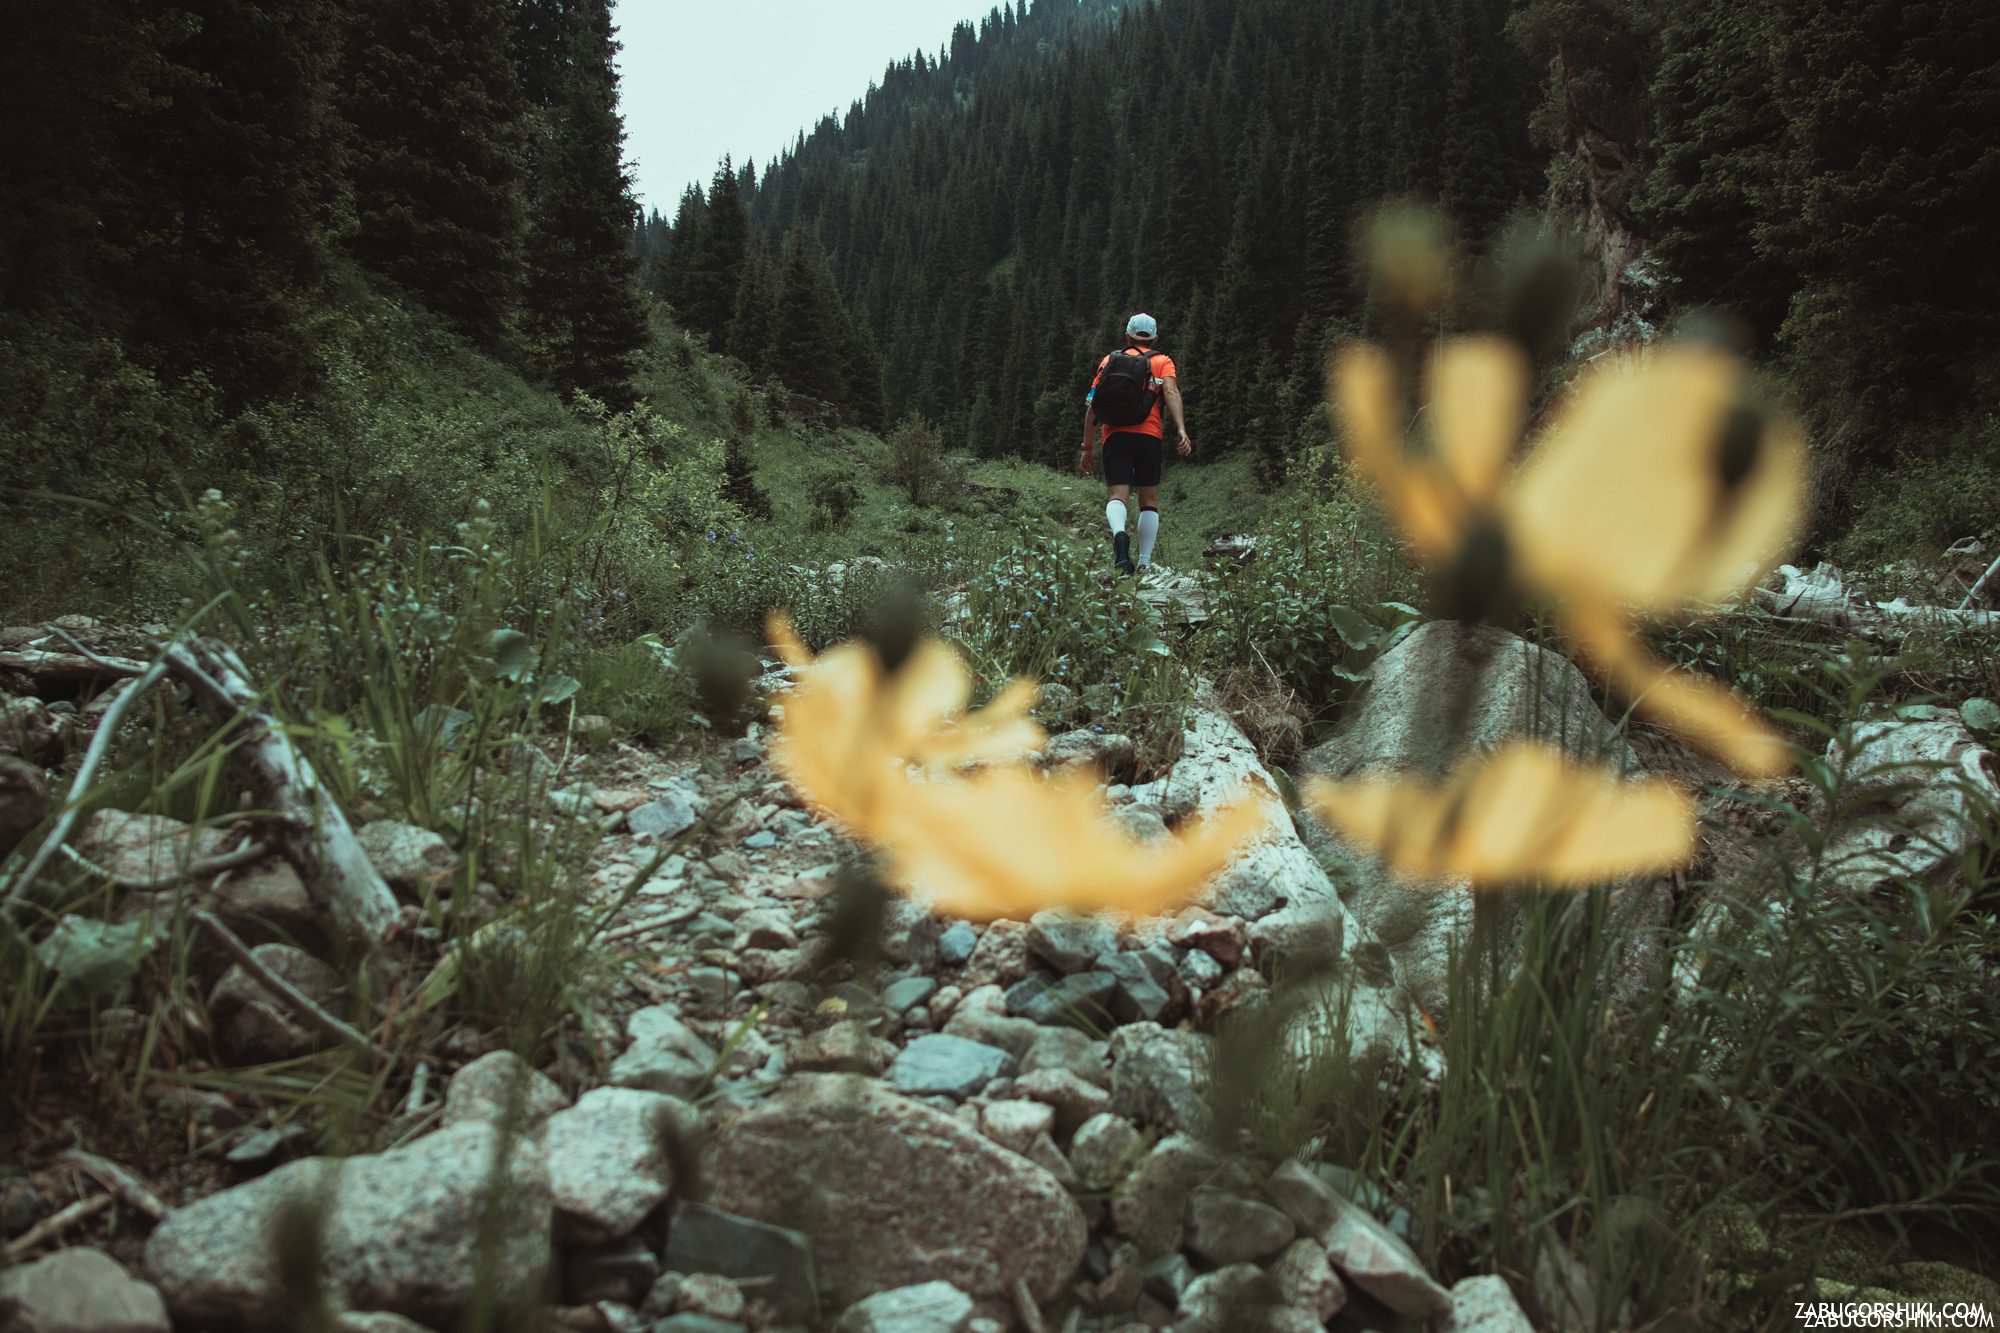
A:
{"points": [[1978, 587], [67, 666], [86, 772], [1822, 598], [314, 834]]}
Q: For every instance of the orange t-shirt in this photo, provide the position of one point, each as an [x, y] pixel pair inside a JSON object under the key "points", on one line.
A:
{"points": [[1163, 370]]}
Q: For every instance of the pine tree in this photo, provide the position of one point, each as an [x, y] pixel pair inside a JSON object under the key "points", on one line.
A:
{"points": [[714, 264], [581, 311], [437, 114], [235, 191]]}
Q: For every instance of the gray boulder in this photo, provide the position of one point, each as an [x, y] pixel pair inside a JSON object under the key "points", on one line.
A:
{"points": [[1446, 692], [1483, 1305], [398, 1231], [663, 1055], [701, 1239], [664, 819], [78, 1291], [939, 1064], [414, 861], [610, 1158], [1070, 941], [929, 1307], [252, 1025], [498, 1084], [1159, 1077], [895, 1193]]}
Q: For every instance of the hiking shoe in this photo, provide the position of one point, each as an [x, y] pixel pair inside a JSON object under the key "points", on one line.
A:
{"points": [[1121, 553]]}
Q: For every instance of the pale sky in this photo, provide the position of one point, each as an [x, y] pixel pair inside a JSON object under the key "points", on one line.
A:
{"points": [[700, 78]]}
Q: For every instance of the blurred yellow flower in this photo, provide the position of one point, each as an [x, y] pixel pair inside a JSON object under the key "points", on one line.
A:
{"points": [[877, 750], [1652, 489], [1522, 815]]}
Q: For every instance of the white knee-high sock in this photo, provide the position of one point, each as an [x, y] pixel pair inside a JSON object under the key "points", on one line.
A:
{"points": [[1114, 513], [1149, 532]]}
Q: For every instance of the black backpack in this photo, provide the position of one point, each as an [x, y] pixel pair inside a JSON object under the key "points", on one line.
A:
{"points": [[1125, 393]]}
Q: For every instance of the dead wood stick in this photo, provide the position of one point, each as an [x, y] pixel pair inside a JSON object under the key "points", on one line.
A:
{"points": [[1979, 585], [68, 666], [54, 1225], [133, 1192], [294, 998], [316, 837], [100, 745], [248, 854]]}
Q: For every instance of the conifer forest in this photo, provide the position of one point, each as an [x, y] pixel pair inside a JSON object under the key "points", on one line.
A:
{"points": [[760, 761]]}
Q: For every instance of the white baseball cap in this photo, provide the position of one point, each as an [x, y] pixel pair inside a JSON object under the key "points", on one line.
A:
{"points": [[1143, 327]]}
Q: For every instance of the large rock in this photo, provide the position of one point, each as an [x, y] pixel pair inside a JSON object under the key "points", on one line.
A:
{"points": [[1452, 689], [1070, 941], [1376, 1260], [399, 1231], [611, 1158], [1107, 754], [663, 1055], [78, 1291], [414, 861], [1226, 1229], [701, 1239], [24, 801], [1447, 691], [498, 1085], [1925, 781], [1274, 873], [253, 1025], [896, 1193], [929, 1307], [1159, 1077], [30, 729], [1483, 1305], [943, 1065], [267, 902], [143, 846]]}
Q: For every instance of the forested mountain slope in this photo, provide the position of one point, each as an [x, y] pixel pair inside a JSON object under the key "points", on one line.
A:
{"points": [[989, 218]]}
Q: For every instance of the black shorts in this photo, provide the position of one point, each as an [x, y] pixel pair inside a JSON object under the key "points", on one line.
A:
{"points": [[1132, 459]]}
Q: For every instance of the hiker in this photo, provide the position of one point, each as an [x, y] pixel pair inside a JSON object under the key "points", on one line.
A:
{"points": [[1124, 404]]}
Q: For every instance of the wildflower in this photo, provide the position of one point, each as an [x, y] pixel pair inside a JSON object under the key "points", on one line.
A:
{"points": [[999, 840], [1521, 814], [1653, 489]]}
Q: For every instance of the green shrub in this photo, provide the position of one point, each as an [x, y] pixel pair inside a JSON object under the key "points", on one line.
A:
{"points": [[835, 497], [916, 462]]}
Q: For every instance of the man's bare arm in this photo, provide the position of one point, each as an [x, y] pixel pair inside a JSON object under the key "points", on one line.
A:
{"points": [[1089, 439], [1171, 393]]}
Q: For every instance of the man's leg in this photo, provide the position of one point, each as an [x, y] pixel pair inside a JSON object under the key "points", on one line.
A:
{"points": [[1149, 522], [1118, 486]]}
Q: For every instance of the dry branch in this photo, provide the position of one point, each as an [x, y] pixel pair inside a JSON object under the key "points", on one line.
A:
{"points": [[248, 854], [314, 835], [50, 1227], [67, 666], [100, 745], [293, 998], [131, 1191]]}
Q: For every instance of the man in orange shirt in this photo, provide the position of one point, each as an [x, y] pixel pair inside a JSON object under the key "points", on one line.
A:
{"points": [[1124, 406]]}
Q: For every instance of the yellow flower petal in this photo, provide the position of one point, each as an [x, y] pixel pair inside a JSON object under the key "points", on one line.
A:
{"points": [[1695, 707], [1478, 394], [1522, 815], [1626, 498], [1006, 842]]}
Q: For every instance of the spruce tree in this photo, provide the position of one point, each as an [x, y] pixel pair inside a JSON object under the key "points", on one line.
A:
{"points": [[581, 312], [714, 264], [430, 91], [234, 193]]}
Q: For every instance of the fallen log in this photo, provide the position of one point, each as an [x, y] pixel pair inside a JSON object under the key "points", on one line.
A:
{"points": [[313, 833]]}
